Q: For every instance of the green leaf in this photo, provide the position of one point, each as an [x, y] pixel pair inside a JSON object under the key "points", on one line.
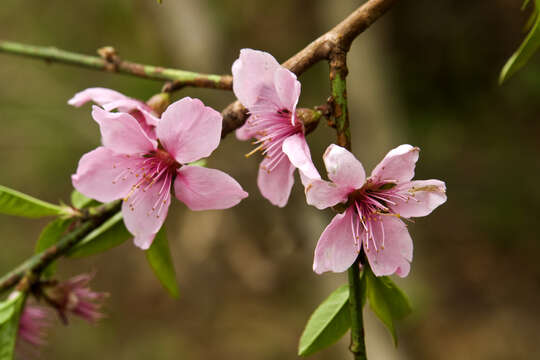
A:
{"points": [[7, 309], [525, 51], [16, 203], [386, 300], [110, 234], [328, 323], [159, 257], [49, 236], [10, 326], [79, 201]]}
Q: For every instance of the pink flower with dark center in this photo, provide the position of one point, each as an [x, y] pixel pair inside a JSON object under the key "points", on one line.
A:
{"points": [[113, 100], [142, 170], [270, 93], [374, 211], [33, 325], [75, 296]]}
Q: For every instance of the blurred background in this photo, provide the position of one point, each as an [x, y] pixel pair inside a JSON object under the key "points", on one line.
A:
{"points": [[425, 74]]}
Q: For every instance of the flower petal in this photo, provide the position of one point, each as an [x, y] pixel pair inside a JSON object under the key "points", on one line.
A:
{"points": [[145, 210], [188, 130], [104, 175], [323, 194], [276, 185], [144, 241], [246, 131], [343, 168], [336, 250], [424, 197], [133, 106], [397, 165], [287, 89], [207, 189], [297, 150], [122, 133], [253, 72], [396, 253], [98, 95]]}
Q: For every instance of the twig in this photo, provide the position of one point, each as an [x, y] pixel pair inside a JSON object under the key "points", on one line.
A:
{"points": [[358, 345], [35, 264], [111, 62], [338, 39]]}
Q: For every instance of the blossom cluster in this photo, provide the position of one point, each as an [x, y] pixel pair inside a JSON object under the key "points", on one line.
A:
{"points": [[145, 157]]}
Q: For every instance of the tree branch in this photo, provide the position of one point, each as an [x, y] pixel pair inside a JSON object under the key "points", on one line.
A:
{"points": [[111, 62], [338, 39], [35, 264]]}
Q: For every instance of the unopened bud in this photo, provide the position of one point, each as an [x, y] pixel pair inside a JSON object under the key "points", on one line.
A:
{"points": [[159, 102], [310, 118]]}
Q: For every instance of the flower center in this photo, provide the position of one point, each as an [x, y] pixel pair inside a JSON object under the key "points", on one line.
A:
{"points": [[271, 130], [370, 203], [157, 168]]}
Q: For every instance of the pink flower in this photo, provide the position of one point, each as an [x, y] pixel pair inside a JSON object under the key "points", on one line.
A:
{"points": [[270, 93], [33, 325], [112, 100], [374, 209], [75, 296], [141, 170]]}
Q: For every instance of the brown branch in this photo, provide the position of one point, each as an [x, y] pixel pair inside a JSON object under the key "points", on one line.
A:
{"points": [[336, 40]]}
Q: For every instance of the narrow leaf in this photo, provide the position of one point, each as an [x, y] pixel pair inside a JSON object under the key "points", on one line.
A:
{"points": [[525, 51], [328, 323], [386, 300], [7, 309], [49, 236], [9, 328], [110, 234], [16, 203], [80, 201], [159, 257]]}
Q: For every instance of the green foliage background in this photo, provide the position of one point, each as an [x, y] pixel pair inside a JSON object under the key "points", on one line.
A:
{"points": [[426, 74]]}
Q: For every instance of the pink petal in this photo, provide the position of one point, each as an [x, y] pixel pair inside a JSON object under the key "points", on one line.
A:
{"points": [[288, 89], [144, 241], [336, 250], [201, 188], [133, 106], [245, 132], [188, 130], [397, 165], [103, 175], [252, 72], [98, 95], [396, 254], [323, 194], [123, 105], [297, 150], [343, 168], [425, 196], [145, 211], [122, 133], [276, 185]]}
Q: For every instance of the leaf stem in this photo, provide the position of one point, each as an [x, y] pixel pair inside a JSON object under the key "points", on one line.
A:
{"points": [[111, 62]]}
